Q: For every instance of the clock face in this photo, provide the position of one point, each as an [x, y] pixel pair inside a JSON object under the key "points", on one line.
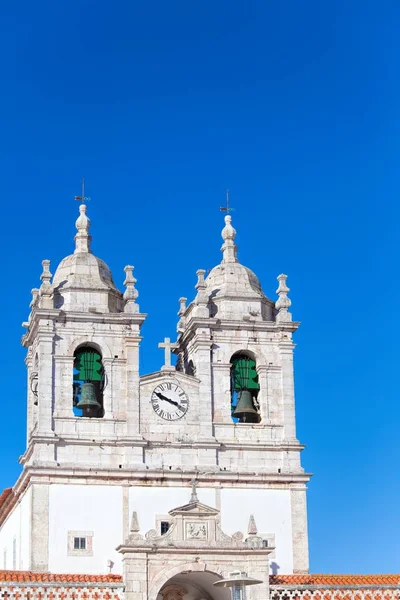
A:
{"points": [[169, 401]]}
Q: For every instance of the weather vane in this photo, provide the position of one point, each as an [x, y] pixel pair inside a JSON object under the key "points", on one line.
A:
{"points": [[82, 198], [227, 208]]}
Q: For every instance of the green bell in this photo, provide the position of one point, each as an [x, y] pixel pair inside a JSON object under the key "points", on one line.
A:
{"points": [[88, 401], [244, 409]]}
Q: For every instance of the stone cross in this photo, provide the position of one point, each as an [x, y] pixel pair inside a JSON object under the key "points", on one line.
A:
{"points": [[193, 497], [168, 347]]}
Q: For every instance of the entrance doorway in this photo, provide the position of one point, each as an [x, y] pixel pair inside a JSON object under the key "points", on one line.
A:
{"points": [[193, 585]]}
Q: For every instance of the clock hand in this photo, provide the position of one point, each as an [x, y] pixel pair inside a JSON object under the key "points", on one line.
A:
{"points": [[162, 397]]}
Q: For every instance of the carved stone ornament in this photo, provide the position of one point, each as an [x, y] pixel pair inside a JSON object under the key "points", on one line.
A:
{"points": [[196, 531]]}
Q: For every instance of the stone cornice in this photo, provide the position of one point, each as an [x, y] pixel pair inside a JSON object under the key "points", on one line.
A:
{"points": [[124, 549], [55, 315], [216, 324], [168, 374], [154, 477]]}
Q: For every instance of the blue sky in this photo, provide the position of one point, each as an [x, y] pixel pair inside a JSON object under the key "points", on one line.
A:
{"points": [[163, 105]]}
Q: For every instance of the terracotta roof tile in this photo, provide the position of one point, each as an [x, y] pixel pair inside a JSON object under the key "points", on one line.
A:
{"points": [[4, 495], [30, 577], [6, 503], [320, 579], [277, 580]]}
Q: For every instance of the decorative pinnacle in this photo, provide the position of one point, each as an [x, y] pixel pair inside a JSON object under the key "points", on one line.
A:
{"points": [[201, 297], [46, 289], [134, 523], [46, 275], [82, 224], [252, 528], [229, 247], [35, 295], [182, 306], [283, 302], [131, 293]]}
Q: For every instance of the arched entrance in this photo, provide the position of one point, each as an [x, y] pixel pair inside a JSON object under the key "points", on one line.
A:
{"points": [[185, 562], [193, 585]]}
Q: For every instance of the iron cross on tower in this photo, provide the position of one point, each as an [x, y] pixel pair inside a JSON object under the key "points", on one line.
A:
{"points": [[168, 347], [227, 208], [82, 198]]}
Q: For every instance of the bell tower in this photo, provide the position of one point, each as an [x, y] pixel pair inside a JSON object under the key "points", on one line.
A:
{"points": [[83, 339], [239, 344]]}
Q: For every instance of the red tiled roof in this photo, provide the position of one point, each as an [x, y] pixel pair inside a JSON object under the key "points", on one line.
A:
{"points": [[30, 577], [278, 580], [6, 503], [334, 580], [4, 495]]}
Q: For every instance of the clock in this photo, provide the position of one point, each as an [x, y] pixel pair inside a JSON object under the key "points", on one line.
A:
{"points": [[169, 401]]}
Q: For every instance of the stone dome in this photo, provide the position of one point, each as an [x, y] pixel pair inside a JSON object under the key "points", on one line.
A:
{"points": [[85, 271], [233, 279]]}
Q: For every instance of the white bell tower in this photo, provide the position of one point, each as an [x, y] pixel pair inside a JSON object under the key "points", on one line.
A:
{"points": [[238, 343], [82, 309]]}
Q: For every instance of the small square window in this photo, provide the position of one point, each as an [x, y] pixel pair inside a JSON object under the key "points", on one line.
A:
{"points": [[164, 526], [79, 543]]}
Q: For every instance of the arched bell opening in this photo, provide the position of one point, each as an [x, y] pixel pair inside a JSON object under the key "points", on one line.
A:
{"points": [[245, 388], [193, 585], [88, 382]]}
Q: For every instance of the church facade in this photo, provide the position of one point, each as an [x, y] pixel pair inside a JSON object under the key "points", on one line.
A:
{"points": [[197, 465]]}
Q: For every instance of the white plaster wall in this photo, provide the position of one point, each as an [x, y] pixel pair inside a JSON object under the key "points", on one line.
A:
{"points": [[17, 526], [151, 501], [272, 512], [94, 508]]}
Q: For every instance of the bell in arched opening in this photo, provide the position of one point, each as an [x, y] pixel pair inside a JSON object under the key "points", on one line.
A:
{"points": [[88, 383], [244, 389]]}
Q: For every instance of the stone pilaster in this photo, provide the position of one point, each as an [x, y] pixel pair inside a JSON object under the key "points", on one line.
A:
{"points": [[286, 356], [45, 385], [39, 546], [63, 370], [299, 530], [222, 392], [132, 386]]}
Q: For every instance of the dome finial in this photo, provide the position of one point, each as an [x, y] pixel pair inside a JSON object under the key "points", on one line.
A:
{"points": [[82, 238], [229, 247]]}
